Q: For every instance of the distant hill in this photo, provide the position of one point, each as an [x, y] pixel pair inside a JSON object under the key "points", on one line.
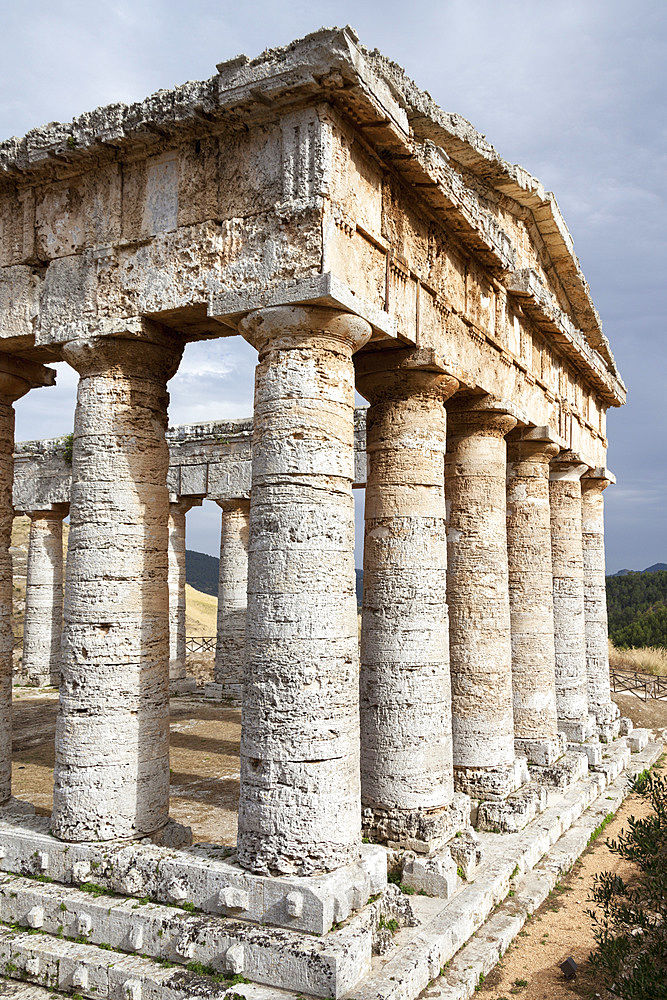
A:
{"points": [[636, 601], [201, 572], [360, 585], [637, 607], [655, 568]]}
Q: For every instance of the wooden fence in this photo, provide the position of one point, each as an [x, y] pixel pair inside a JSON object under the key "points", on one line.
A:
{"points": [[200, 644], [645, 686]]}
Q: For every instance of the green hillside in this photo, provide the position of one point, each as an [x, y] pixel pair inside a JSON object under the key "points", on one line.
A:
{"points": [[201, 572], [637, 608]]}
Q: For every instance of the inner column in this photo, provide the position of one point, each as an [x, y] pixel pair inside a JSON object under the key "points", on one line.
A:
{"points": [[16, 378], [568, 599], [177, 571], [531, 597], [43, 619], [407, 786], [595, 602], [478, 597], [232, 598], [112, 746], [299, 810]]}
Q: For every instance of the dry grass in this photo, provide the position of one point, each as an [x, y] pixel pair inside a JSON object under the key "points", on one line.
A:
{"points": [[648, 659], [201, 612]]}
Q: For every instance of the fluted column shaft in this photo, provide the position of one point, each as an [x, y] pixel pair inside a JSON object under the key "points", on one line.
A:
{"points": [[595, 601], [177, 653], [478, 598], [407, 783], [42, 623], [112, 747], [232, 597], [299, 809], [12, 387], [531, 598], [568, 599]]}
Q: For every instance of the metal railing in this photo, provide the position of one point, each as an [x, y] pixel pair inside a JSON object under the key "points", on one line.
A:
{"points": [[645, 686], [200, 644]]}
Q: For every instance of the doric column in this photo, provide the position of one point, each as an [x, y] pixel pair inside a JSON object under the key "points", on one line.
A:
{"points": [[177, 655], [568, 598], [595, 600], [232, 597], [299, 809], [531, 595], [42, 623], [112, 748], [478, 597], [407, 785], [16, 378]]}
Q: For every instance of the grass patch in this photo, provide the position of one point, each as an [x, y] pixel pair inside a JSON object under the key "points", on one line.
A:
{"points": [[600, 828]]}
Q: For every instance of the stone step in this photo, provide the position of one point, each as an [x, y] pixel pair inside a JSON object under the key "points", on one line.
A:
{"points": [[40, 960], [14, 989], [413, 972], [615, 759], [563, 773], [204, 877], [324, 966], [515, 811]]}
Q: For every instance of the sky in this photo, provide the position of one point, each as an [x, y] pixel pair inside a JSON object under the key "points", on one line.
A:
{"points": [[574, 91]]}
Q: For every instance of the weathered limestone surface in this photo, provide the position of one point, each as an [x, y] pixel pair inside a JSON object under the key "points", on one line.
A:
{"points": [[177, 511], [531, 596], [299, 806], [232, 598], [112, 754], [42, 624], [406, 743], [478, 597], [595, 601], [568, 597]]}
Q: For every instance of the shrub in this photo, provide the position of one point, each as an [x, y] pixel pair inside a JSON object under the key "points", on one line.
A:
{"points": [[630, 916]]}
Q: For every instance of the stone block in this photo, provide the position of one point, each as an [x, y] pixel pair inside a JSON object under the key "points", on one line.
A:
{"points": [[434, 874], [637, 740], [513, 813], [625, 726], [567, 770], [467, 852], [593, 751]]}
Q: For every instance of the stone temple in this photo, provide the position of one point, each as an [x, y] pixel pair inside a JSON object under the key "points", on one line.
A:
{"points": [[317, 203]]}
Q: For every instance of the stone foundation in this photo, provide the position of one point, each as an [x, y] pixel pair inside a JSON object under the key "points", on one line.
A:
{"points": [[368, 937]]}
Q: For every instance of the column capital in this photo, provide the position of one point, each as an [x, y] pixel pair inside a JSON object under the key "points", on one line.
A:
{"points": [[566, 467], [479, 415], [597, 479], [393, 374], [528, 450], [54, 512], [238, 503], [184, 504], [290, 327], [18, 376], [158, 354]]}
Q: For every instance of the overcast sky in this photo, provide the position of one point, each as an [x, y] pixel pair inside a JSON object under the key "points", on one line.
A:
{"points": [[574, 91]]}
